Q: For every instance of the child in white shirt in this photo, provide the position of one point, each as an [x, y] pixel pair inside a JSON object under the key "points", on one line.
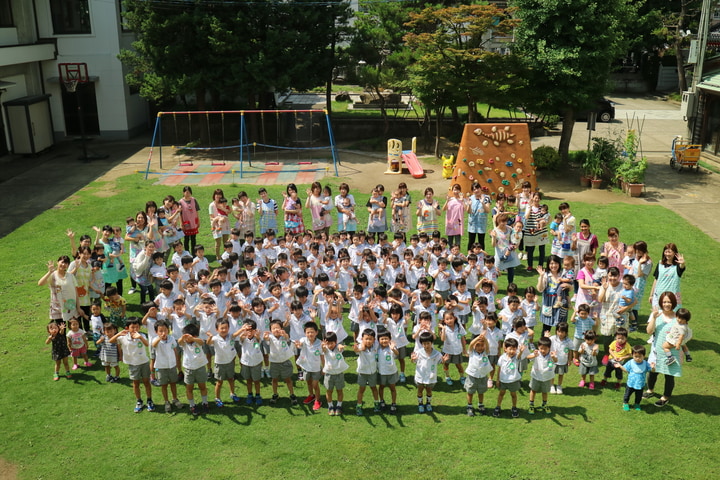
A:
{"points": [[426, 360]]}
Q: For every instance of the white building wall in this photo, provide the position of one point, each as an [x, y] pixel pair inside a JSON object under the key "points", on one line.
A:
{"points": [[119, 113]]}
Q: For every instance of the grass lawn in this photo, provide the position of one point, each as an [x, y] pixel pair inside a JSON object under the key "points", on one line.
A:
{"points": [[85, 428]]}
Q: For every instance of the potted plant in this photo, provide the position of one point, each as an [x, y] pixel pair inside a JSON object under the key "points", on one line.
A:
{"points": [[593, 168], [634, 176], [579, 158]]}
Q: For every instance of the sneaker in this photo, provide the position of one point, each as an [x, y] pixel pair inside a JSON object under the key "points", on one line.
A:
{"points": [[462, 380], [274, 399], [219, 403], [670, 360], [338, 411], [393, 408], [359, 410], [661, 403], [309, 399], [496, 412], [331, 410], [258, 400], [592, 386], [108, 378], [481, 410], [648, 394], [581, 384], [688, 357], [544, 407], [177, 404], [293, 400], [378, 407], [168, 407], [68, 375], [637, 407], [448, 381], [235, 398], [593, 304], [428, 408], [205, 407], [75, 366], [552, 390], [56, 376], [249, 399], [88, 364], [617, 385], [470, 411], [490, 383], [530, 268], [154, 382], [131, 291], [633, 328], [576, 362], [139, 407], [531, 409], [150, 406], [317, 405], [194, 410], [558, 389], [421, 408], [626, 407], [603, 383], [301, 376], [116, 379], [402, 378], [515, 412]]}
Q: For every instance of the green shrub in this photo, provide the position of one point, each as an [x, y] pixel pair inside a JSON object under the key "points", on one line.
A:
{"points": [[546, 158]]}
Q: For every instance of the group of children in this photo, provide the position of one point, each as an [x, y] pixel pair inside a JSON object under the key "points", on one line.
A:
{"points": [[277, 304]]}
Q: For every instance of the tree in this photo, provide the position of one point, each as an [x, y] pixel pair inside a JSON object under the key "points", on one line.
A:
{"points": [[229, 49], [377, 46], [569, 47], [451, 42]]}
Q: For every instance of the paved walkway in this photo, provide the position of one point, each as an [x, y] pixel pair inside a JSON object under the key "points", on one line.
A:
{"points": [[29, 186]]}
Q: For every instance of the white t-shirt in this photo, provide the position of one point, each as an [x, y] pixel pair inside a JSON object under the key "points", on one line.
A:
{"points": [[386, 361], [543, 368], [561, 348], [224, 349], [280, 349], [426, 366], [309, 358], [165, 353], [478, 365], [397, 331], [134, 351], [334, 362], [477, 323], [508, 369], [453, 339], [251, 352], [367, 362], [193, 356], [494, 337]]}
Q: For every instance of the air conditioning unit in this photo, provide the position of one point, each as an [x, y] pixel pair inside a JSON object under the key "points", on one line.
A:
{"points": [[689, 104]]}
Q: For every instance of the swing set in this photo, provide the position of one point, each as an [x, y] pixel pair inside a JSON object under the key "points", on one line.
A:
{"points": [[246, 136]]}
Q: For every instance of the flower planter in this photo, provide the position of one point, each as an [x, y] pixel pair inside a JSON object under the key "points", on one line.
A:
{"points": [[584, 181], [635, 189], [596, 183]]}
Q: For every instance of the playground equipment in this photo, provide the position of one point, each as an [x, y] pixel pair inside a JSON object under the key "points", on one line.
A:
{"points": [[273, 136], [396, 156], [448, 164], [497, 156]]}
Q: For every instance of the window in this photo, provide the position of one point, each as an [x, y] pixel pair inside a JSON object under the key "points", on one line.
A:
{"points": [[6, 19], [70, 16]]}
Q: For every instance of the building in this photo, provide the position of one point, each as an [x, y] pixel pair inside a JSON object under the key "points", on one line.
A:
{"points": [[37, 35]]}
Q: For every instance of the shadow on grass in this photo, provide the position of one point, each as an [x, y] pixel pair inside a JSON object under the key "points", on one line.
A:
{"points": [[692, 402], [81, 378]]}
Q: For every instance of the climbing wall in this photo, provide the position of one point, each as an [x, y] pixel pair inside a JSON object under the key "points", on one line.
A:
{"points": [[498, 156]]}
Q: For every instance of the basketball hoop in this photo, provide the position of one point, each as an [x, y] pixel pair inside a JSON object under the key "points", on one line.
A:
{"points": [[72, 74]]}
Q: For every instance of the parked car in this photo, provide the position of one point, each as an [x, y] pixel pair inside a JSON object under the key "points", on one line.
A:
{"points": [[605, 110]]}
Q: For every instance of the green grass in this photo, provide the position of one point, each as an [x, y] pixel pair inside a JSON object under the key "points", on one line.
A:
{"points": [[85, 428]]}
